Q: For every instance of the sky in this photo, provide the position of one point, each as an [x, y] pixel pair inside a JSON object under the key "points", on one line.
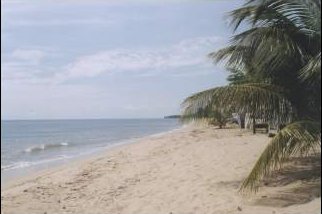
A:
{"points": [[108, 59]]}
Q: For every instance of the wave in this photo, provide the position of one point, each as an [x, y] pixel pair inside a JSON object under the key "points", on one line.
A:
{"points": [[43, 147], [98, 148], [25, 164], [15, 165]]}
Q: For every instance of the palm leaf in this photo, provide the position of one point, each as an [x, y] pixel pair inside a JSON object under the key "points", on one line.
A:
{"points": [[312, 71], [303, 15], [282, 32], [235, 56], [271, 47], [261, 100], [296, 138]]}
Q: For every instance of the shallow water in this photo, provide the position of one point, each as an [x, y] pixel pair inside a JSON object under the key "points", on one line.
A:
{"points": [[30, 145]]}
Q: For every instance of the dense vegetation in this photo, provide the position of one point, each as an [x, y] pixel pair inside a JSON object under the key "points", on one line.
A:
{"points": [[275, 75]]}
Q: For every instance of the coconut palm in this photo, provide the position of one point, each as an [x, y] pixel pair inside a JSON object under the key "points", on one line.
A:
{"points": [[280, 55]]}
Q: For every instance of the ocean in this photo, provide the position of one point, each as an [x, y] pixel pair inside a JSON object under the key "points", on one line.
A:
{"points": [[31, 145]]}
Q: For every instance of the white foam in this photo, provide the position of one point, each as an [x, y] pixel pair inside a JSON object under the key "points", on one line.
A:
{"points": [[25, 164], [64, 144], [43, 147]]}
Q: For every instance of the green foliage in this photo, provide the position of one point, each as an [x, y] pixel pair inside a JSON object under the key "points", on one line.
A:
{"points": [[298, 137], [219, 118], [275, 68], [311, 72], [259, 99]]}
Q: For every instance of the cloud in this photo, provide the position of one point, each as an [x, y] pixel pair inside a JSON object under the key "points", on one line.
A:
{"points": [[114, 2], [61, 14], [60, 22], [22, 64], [185, 58], [34, 56], [15, 71], [187, 53]]}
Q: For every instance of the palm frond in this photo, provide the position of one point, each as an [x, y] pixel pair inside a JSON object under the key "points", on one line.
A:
{"points": [[259, 15], [261, 100], [271, 47], [303, 15], [235, 56], [312, 71], [296, 138], [282, 31], [264, 48]]}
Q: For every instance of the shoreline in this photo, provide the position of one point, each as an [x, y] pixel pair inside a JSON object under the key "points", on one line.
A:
{"points": [[189, 170], [33, 171], [20, 173]]}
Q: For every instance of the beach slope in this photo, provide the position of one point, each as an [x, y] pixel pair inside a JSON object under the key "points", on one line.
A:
{"points": [[191, 170]]}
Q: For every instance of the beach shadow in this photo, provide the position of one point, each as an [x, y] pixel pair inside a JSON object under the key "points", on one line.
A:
{"points": [[227, 127], [298, 183], [229, 184]]}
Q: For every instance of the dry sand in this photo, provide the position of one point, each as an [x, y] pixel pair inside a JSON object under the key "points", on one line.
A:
{"points": [[192, 170]]}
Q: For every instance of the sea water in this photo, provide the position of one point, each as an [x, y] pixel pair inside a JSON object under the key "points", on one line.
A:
{"points": [[31, 145]]}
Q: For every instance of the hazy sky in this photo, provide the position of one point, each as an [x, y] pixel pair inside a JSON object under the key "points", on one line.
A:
{"points": [[108, 59]]}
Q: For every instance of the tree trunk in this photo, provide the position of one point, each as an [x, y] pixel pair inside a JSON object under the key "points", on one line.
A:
{"points": [[254, 126], [242, 118]]}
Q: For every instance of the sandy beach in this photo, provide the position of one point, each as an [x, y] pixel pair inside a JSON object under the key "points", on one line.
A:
{"points": [[191, 170]]}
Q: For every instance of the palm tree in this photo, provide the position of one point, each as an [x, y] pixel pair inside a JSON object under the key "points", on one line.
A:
{"points": [[280, 54]]}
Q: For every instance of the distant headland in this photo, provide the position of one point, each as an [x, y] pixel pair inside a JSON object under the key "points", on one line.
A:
{"points": [[172, 117]]}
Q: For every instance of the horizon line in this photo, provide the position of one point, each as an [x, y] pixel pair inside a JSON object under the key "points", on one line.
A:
{"points": [[130, 118]]}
